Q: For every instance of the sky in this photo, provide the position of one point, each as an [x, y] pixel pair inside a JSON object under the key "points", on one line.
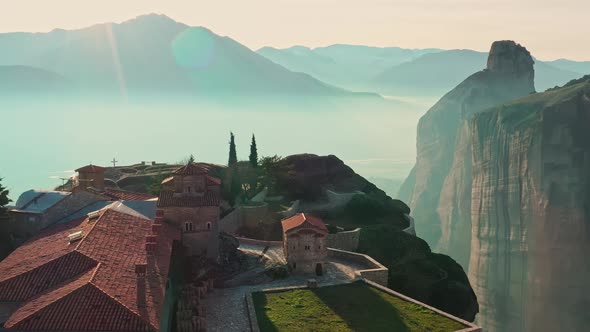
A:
{"points": [[549, 29]]}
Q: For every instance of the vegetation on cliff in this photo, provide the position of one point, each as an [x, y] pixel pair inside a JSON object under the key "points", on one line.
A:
{"points": [[414, 270]]}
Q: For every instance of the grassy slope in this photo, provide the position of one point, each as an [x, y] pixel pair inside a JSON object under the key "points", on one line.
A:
{"points": [[351, 307]]}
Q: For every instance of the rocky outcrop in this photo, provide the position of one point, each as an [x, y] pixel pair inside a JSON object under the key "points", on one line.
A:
{"points": [[438, 188], [531, 212], [308, 176]]}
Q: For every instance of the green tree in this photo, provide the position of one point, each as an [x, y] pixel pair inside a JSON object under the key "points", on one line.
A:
{"points": [[253, 152], [233, 157], [4, 200]]}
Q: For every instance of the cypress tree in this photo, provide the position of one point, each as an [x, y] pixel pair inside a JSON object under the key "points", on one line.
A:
{"points": [[253, 152], [233, 158]]}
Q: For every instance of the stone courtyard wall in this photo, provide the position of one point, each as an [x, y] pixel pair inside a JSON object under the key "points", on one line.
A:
{"points": [[231, 222], [262, 243], [374, 270], [348, 240], [252, 215]]}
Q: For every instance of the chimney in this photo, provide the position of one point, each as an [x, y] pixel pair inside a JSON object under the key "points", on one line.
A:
{"points": [[141, 270], [150, 238], [150, 248]]}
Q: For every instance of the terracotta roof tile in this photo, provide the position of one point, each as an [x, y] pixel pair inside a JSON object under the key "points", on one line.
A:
{"points": [[118, 194], [44, 277], [211, 180], [302, 220], [80, 306], [50, 244], [191, 169], [108, 295], [167, 198]]}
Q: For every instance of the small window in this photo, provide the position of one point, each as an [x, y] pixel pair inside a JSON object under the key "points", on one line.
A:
{"points": [[307, 247], [188, 226], [319, 247], [188, 189], [208, 225]]}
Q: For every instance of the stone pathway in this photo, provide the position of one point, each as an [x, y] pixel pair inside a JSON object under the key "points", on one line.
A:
{"points": [[226, 307]]}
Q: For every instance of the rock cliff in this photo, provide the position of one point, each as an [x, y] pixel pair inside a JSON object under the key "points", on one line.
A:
{"points": [[531, 212], [438, 188]]}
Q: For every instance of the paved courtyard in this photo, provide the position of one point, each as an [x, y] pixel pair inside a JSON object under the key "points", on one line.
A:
{"points": [[226, 307]]}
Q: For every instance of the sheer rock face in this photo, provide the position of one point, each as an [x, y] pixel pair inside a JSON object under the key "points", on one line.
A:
{"points": [[530, 213], [438, 189], [513, 61]]}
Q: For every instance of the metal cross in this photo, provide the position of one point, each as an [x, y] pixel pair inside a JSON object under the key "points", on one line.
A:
{"points": [[114, 161]]}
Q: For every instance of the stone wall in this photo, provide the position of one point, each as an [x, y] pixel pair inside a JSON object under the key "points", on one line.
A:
{"points": [[293, 210], [261, 243], [252, 215], [348, 240], [374, 271], [231, 222], [305, 251], [340, 199]]}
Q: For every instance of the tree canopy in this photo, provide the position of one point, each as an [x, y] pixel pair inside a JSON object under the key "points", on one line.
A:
{"points": [[4, 200]]}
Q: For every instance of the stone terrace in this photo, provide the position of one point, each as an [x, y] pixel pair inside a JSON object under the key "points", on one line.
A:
{"points": [[226, 307]]}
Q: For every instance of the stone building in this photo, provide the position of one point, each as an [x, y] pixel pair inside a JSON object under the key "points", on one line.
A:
{"points": [[90, 176], [190, 201], [304, 243]]}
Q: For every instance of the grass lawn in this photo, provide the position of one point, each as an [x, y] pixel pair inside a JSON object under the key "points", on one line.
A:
{"points": [[349, 307]]}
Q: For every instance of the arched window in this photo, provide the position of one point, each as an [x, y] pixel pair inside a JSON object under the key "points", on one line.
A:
{"points": [[188, 189], [188, 226], [208, 225]]}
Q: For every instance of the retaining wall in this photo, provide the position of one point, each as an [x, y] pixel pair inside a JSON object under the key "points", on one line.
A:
{"points": [[348, 240], [262, 243], [231, 222], [253, 320], [252, 215], [375, 271]]}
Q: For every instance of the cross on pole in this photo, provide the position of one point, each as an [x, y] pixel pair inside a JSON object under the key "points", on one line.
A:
{"points": [[114, 161]]}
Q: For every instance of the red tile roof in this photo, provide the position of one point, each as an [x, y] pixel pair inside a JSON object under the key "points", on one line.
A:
{"points": [[118, 194], [302, 220], [167, 199], [211, 180], [191, 169], [42, 249], [81, 306], [90, 168], [90, 284]]}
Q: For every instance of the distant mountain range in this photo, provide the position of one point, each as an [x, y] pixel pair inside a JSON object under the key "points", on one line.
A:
{"points": [[155, 55], [343, 65], [397, 71], [150, 54]]}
